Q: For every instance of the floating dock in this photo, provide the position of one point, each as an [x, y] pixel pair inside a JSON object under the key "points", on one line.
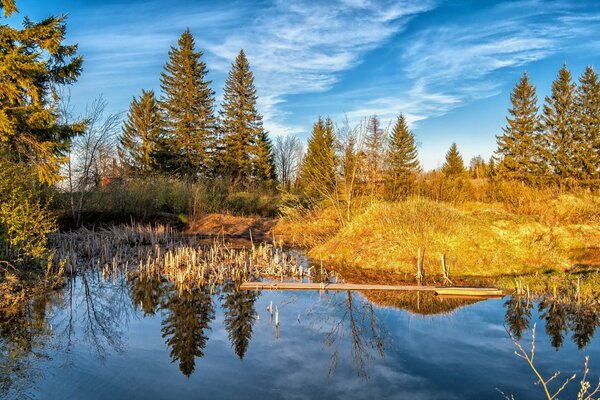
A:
{"points": [[459, 291]]}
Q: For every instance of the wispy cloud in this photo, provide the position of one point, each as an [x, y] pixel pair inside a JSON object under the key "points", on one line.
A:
{"points": [[301, 47], [455, 63]]}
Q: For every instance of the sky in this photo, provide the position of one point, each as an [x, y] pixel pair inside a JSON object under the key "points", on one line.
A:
{"points": [[449, 66]]}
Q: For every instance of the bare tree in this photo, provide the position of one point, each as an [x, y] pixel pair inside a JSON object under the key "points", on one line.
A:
{"points": [[288, 156], [91, 155]]}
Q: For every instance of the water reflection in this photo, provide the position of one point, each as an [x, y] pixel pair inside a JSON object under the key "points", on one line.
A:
{"points": [[240, 316], [92, 314], [356, 319]]}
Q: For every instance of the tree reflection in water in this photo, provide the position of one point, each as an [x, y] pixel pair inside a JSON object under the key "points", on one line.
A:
{"points": [[239, 316], [357, 321], [189, 312], [560, 319]]}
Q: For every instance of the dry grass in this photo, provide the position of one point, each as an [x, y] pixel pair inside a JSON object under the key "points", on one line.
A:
{"points": [[478, 239], [158, 251]]}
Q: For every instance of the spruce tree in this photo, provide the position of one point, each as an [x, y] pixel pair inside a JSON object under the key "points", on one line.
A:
{"points": [[318, 172], [247, 152], [519, 147], [188, 104], [33, 63], [560, 129], [402, 165], [588, 112], [264, 160], [454, 165], [141, 133]]}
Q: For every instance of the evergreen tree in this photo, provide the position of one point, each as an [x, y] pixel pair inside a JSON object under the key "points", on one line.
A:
{"points": [[264, 160], [239, 317], [34, 62], [588, 111], [401, 160], [189, 314], [247, 151], [9, 7], [519, 147], [560, 129], [141, 132], [188, 103], [318, 172], [454, 165]]}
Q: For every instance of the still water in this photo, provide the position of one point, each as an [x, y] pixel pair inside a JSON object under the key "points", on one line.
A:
{"points": [[121, 338]]}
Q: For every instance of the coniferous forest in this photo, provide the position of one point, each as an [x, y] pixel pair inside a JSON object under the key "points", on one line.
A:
{"points": [[163, 211]]}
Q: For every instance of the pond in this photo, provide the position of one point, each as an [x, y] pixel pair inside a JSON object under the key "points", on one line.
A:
{"points": [[108, 337]]}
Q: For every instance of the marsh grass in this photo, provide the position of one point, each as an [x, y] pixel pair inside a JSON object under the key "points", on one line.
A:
{"points": [[160, 252]]}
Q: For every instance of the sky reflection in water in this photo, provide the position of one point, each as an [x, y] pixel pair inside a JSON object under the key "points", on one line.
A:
{"points": [[98, 339]]}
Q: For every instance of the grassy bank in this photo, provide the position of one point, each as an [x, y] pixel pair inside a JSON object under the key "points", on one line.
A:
{"points": [[477, 238]]}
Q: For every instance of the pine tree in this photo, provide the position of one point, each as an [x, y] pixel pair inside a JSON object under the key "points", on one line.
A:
{"points": [[239, 318], [519, 147], [402, 165], [588, 112], [9, 7], [188, 317], [264, 160], [454, 165], [141, 133], [247, 152], [188, 103], [34, 63], [560, 129], [318, 172]]}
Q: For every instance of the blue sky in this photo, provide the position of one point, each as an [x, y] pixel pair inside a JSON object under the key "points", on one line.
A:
{"points": [[449, 66]]}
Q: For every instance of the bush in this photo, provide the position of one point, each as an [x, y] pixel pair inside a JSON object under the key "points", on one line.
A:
{"points": [[24, 219]]}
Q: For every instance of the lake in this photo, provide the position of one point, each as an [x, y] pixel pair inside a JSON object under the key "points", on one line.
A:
{"points": [[112, 337]]}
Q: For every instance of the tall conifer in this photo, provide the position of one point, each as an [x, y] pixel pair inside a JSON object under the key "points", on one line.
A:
{"points": [[560, 129], [454, 165], [318, 172], [519, 147], [247, 152], [141, 132], [402, 165], [188, 103], [588, 111]]}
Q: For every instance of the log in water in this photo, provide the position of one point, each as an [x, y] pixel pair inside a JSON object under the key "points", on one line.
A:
{"points": [[440, 290]]}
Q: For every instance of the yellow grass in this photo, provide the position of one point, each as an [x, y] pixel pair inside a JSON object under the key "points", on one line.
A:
{"points": [[477, 239]]}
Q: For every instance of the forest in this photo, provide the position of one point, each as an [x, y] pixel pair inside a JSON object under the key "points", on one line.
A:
{"points": [[351, 192]]}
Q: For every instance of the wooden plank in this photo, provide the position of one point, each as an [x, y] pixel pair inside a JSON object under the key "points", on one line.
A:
{"points": [[440, 290], [328, 286], [467, 291]]}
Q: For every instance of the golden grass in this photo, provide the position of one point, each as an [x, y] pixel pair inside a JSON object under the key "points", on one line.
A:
{"points": [[478, 239]]}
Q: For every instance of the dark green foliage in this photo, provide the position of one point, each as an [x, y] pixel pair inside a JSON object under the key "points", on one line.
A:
{"points": [[188, 104], [588, 112], [239, 317], [141, 133], [454, 165], [247, 153], [189, 313], [402, 162], [34, 62], [561, 133], [264, 160], [519, 148], [318, 172]]}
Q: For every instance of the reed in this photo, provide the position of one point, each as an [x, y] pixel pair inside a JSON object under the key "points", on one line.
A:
{"points": [[159, 251]]}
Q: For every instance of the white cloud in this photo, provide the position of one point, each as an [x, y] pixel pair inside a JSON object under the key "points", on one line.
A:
{"points": [[301, 47]]}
